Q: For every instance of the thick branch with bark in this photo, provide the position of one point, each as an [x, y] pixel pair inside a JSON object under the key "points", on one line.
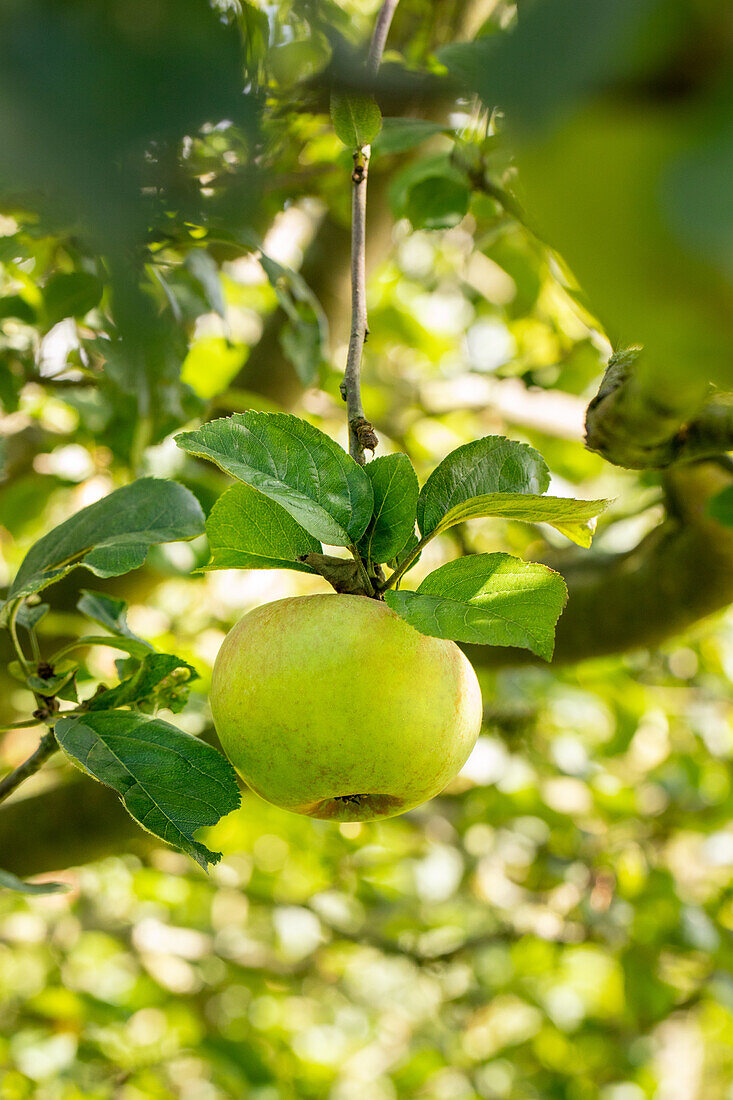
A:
{"points": [[640, 428], [681, 572]]}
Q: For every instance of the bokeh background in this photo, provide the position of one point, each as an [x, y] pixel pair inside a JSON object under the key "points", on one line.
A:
{"points": [[174, 247]]}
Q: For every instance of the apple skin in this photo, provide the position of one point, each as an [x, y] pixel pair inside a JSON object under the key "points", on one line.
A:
{"points": [[334, 707]]}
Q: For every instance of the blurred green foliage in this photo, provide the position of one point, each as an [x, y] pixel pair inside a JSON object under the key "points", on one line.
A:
{"points": [[558, 925]]}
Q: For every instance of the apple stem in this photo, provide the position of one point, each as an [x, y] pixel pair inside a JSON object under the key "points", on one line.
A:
{"points": [[363, 575]]}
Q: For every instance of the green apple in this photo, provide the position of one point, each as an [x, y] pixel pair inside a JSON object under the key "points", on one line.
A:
{"points": [[334, 707]]}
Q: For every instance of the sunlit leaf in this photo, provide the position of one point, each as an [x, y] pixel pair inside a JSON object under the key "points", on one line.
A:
{"points": [[572, 518], [488, 599], [247, 530], [161, 678], [485, 466], [295, 465]]}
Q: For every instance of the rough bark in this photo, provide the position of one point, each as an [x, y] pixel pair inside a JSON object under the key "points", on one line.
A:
{"points": [[637, 426]]}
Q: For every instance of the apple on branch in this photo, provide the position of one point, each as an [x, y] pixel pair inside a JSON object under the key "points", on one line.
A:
{"points": [[334, 707]]}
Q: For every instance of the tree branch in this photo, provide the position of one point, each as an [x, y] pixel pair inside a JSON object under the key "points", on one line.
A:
{"points": [[379, 37], [361, 433], [680, 573], [636, 428], [46, 747]]}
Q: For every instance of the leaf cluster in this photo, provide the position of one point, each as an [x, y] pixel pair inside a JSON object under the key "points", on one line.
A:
{"points": [[297, 489], [170, 782]]}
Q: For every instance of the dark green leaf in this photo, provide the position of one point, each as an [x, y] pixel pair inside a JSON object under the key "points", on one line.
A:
{"points": [[301, 341], [205, 271], [70, 295], [113, 535], [489, 599], [30, 617], [489, 465], [247, 530], [111, 614], [437, 202], [304, 337], [466, 60], [404, 552], [9, 881], [432, 192], [398, 135], [560, 52], [295, 465], [395, 487], [170, 782], [356, 119], [721, 507], [12, 305], [162, 679], [570, 517]]}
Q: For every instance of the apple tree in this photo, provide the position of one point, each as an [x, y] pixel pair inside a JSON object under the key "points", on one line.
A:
{"points": [[318, 302]]}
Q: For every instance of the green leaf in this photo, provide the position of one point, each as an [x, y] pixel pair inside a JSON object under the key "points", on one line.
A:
{"points": [[161, 679], [301, 341], [204, 269], [295, 465], [111, 614], [170, 782], [113, 535], [247, 530], [135, 647], [398, 135], [721, 507], [437, 202], [71, 295], [489, 599], [9, 881], [211, 364], [395, 487], [30, 617], [356, 119], [485, 466], [431, 191], [13, 305], [304, 336], [571, 517], [465, 60], [411, 544]]}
